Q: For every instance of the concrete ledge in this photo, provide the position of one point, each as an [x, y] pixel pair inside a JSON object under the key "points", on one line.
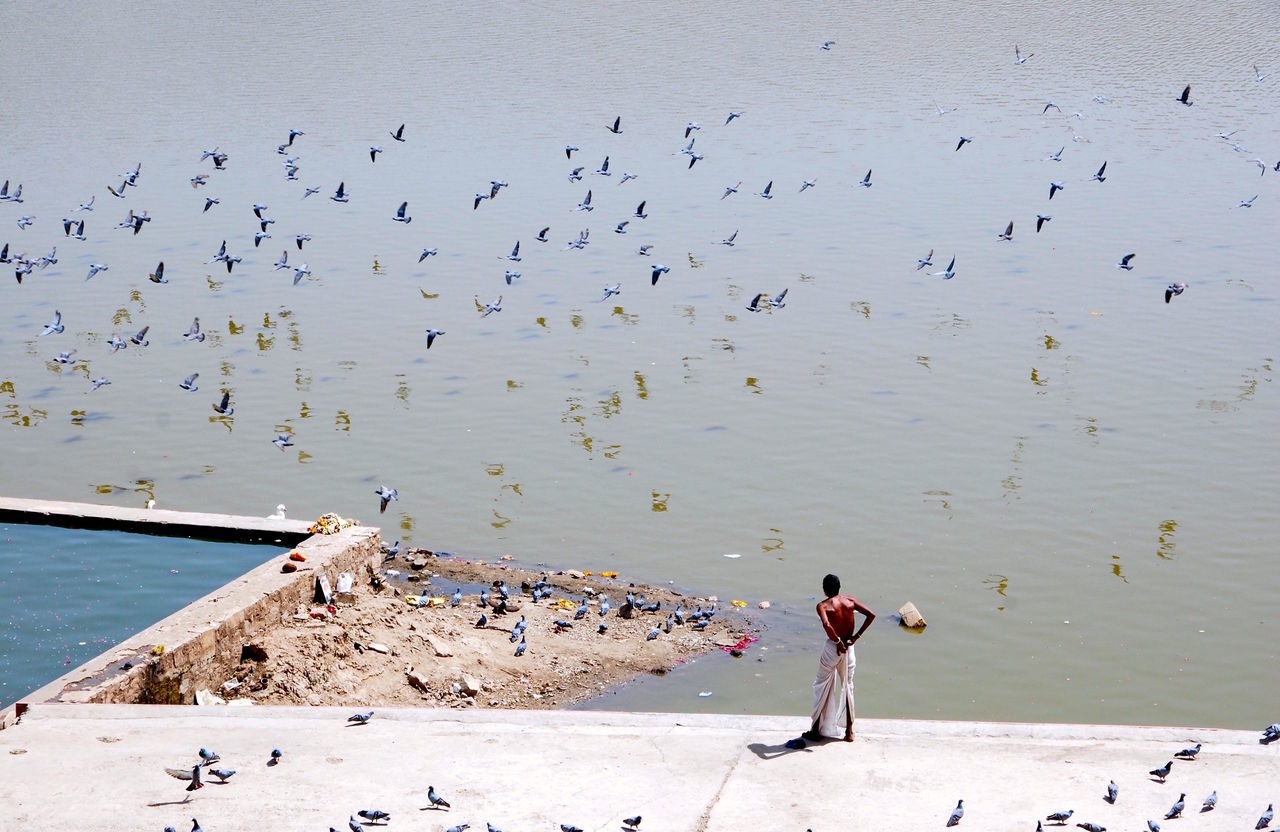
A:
{"points": [[203, 641], [222, 527], [101, 767]]}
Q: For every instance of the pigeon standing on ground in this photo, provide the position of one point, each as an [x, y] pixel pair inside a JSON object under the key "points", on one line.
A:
{"points": [[1061, 817], [1210, 801], [956, 814], [1175, 811], [374, 815], [436, 800], [223, 774], [1113, 791], [361, 718], [632, 822], [1162, 772], [1265, 820], [1187, 753]]}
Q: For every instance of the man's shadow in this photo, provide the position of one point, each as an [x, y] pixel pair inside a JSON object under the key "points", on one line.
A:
{"points": [[772, 752]]}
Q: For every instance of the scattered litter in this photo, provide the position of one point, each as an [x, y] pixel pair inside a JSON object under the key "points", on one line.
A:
{"points": [[705, 693], [330, 524], [204, 696], [298, 556], [735, 602], [231, 684], [733, 555], [157, 650], [608, 574], [345, 582], [764, 605]]}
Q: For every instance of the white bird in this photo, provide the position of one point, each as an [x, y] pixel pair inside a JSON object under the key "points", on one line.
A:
{"points": [[432, 334], [1247, 203], [949, 272], [65, 357], [189, 383], [400, 217], [309, 191], [610, 291], [658, 271], [927, 260], [510, 276], [731, 190], [728, 241], [732, 115], [1262, 165], [1019, 58], [1056, 157], [94, 268], [514, 256], [426, 252], [866, 180], [585, 205], [25, 221], [627, 177], [300, 272], [283, 262], [88, 206], [341, 195], [54, 325], [767, 188], [690, 127], [280, 508], [1008, 232], [491, 307]]}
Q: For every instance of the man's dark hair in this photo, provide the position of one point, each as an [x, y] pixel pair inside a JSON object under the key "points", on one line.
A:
{"points": [[831, 585]]}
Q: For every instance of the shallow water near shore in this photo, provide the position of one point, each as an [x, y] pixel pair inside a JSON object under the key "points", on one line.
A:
{"points": [[1071, 479], [71, 594]]}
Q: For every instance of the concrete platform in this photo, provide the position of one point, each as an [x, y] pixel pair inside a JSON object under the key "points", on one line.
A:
{"points": [[199, 525], [101, 767]]}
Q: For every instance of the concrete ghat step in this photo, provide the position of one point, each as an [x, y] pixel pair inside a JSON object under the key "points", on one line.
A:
{"points": [[102, 767]]}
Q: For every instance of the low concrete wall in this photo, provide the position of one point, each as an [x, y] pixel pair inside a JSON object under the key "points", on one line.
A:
{"points": [[203, 641]]}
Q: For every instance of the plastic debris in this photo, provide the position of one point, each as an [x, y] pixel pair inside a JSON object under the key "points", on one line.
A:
{"points": [[705, 693]]}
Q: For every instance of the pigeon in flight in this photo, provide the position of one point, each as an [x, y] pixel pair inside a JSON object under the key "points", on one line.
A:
{"points": [[432, 334], [140, 337], [398, 133], [94, 268], [542, 235], [956, 814], [300, 272], [99, 382], [1056, 157], [728, 241], [510, 276], [193, 775], [949, 272], [1054, 187], [341, 194], [1247, 203], [1008, 232], [827, 44], [1099, 177], [568, 150], [282, 441], [866, 180], [767, 188], [426, 252], [1185, 98], [732, 115], [1169, 293], [514, 256], [373, 153], [491, 307], [54, 325], [731, 190], [585, 205], [1041, 219], [400, 217], [386, 495], [1128, 266], [927, 260], [622, 227], [194, 333], [616, 127], [963, 141], [658, 271], [224, 407], [1019, 58], [604, 168], [189, 383], [65, 357], [640, 214], [116, 343], [1048, 105]]}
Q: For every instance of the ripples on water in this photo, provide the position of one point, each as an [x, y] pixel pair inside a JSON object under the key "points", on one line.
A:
{"points": [[1043, 420]]}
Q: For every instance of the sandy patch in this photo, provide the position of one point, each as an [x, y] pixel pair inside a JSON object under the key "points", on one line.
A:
{"points": [[435, 655]]}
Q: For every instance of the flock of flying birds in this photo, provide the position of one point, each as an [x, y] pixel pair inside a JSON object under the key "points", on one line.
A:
{"points": [[196, 775], [1270, 734], [135, 222]]}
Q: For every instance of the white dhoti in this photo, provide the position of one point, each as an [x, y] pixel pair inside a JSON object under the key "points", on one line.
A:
{"points": [[833, 691]]}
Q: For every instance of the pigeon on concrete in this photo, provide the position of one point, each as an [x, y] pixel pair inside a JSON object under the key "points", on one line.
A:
{"points": [[1113, 791], [361, 719], [1162, 772], [1210, 802], [1061, 817], [1188, 753], [1091, 827], [956, 814], [223, 774], [437, 801], [632, 822], [374, 815], [1175, 811], [1265, 820]]}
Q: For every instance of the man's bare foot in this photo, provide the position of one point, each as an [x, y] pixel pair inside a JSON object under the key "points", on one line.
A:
{"points": [[812, 736], [848, 736]]}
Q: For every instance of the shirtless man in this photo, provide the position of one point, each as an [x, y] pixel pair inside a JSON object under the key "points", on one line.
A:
{"points": [[833, 687]]}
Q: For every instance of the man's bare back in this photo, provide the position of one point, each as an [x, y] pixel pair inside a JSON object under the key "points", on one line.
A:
{"points": [[838, 615]]}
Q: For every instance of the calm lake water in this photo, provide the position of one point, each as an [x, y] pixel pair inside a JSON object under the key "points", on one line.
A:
{"points": [[1073, 480], [70, 594]]}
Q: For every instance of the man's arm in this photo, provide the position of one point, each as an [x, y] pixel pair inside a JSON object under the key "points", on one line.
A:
{"points": [[867, 617]]}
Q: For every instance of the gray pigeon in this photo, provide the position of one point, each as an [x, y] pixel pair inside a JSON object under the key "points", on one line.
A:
{"points": [[1210, 801], [1175, 811], [652, 633], [1265, 820], [194, 776], [1188, 753], [1091, 827], [1113, 791], [956, 814], [437, 801], [361, 718], [1162, 772], [1061, 817], [223, 774], [354, 825]]}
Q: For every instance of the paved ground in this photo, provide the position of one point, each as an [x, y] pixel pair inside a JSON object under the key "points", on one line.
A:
{"points": [[101, 767]]}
